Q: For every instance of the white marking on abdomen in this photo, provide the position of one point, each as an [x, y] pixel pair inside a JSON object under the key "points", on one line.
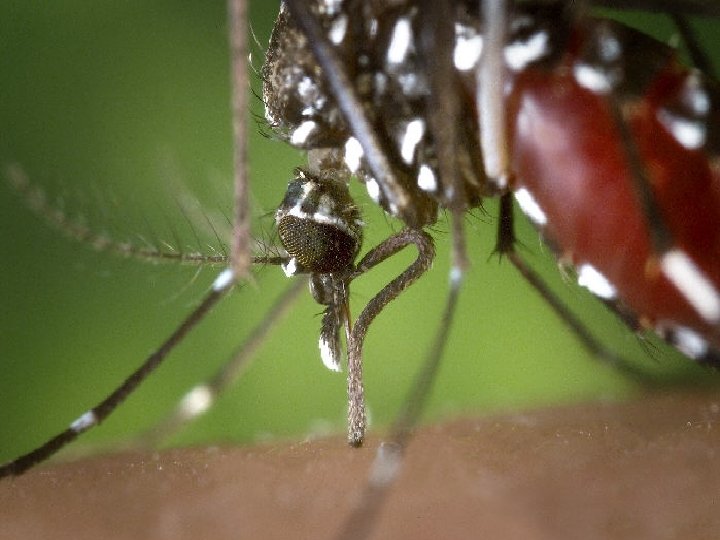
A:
{"points": [[693, 284], [338, 29], [590, 278], [691, 134], [413, 135], [426, 179], [530, 207], [593, 78], [353, 154], [373, 189], [399, 42], [521, 53], [468, 48], [300, 135], [689, 342]]}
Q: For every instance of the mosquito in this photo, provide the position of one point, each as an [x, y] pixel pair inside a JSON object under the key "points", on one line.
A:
{"points": [[75, 368], [389, 194]]}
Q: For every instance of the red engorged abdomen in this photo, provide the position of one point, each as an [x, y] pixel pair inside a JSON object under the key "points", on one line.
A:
{"points": [[567, 153]]}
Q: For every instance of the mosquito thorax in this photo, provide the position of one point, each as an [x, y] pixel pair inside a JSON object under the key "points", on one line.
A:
{"points": [[380, 44], [319, 224]]}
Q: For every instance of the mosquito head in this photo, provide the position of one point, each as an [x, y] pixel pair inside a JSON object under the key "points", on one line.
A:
{"points": [[319, 224]]}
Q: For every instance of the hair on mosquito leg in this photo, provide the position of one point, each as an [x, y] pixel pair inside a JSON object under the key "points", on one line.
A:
{"points": [[153, 250]]}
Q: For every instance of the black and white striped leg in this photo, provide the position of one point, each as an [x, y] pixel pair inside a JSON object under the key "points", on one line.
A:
{"points": [[93, 417], [198, 400], [241, 262]]}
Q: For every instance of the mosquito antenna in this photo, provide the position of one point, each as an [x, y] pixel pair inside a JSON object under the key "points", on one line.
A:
{"points": [[102, 410], [36, 200]]}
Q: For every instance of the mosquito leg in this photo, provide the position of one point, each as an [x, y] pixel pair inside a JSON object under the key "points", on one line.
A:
{"points": [[426, 253], [444, 117], [707, 8], [697, 54], [102, 410], [237, 11], [443, 108], [201, 397], [388, 459], [505, 246], [615, 73], [660, 236], [490, 77]]}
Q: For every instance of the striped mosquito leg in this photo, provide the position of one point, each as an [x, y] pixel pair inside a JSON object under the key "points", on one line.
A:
{"points": [[201, 397], [102, 410]]}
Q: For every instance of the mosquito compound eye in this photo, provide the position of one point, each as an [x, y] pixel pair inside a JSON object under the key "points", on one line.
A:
{"points": [[319, 225]]}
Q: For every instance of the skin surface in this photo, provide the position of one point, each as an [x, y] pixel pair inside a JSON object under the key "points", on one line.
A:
{"points": [[642, 469]]}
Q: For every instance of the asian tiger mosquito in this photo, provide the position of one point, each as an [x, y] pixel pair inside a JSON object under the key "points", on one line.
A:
{"points": [[439, 258]]}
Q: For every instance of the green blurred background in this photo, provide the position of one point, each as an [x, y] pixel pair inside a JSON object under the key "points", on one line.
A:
{"points": [[118, 110]]}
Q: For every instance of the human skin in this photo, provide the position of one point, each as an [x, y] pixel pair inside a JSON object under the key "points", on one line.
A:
{"points": [[647, 468]]}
